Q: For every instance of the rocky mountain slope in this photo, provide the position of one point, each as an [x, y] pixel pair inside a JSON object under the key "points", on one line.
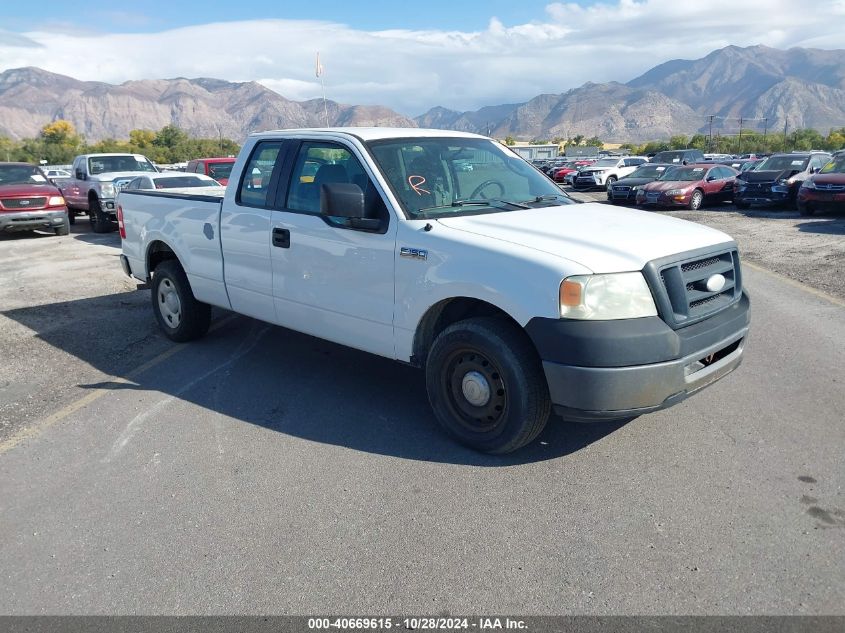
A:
{"points": [[795, 87], [31, 97]]}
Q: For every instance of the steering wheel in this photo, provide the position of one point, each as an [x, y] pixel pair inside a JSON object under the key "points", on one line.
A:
{"points": [[487, 183]]}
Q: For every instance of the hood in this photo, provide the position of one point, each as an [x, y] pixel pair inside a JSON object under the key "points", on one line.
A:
{"points": [[828, 179], [25, 189], [602, 238], [769, 176], [666, 185], [119, 175]]}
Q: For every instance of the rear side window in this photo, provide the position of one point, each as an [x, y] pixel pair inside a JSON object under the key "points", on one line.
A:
{"points": [[255, 180]]}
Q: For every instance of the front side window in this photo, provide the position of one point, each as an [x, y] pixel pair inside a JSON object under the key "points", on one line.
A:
{"points": [[440, 177], [319, 163], [255, 181]]}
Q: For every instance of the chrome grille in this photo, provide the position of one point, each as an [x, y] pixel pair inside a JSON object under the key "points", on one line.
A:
{"points": [[829, 187], [24, 204]]}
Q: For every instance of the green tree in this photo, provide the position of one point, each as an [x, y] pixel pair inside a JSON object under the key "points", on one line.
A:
{"points": [[59, 142], [509, 140], [578, 139], [594, 141]]}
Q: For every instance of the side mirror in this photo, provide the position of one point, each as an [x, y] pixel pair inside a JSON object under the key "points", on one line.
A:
{"points": [[813, 170], [711, 178], [342, 200], [80, 175]]}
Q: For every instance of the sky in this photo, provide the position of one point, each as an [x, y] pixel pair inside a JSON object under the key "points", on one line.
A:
{"points": [[460, 54]]}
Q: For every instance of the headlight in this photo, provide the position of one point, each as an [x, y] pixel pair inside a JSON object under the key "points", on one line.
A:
{"points": [[808, 184], [635, 188], [606, 297], [107, 190], [783, 182], [675, 192], [56, 201]]}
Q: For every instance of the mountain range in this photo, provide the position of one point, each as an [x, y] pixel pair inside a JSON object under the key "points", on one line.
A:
{"points": [[769, 88]]}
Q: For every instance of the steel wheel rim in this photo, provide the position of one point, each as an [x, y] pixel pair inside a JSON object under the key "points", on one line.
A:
{"points": [[169, 305], [471, 376]]}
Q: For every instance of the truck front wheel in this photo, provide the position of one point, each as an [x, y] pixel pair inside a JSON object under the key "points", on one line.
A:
{"points": [[486, 385], [100, 222], [180, 316]]}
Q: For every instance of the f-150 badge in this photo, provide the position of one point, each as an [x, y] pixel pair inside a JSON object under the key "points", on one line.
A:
{"points": [[413, 253]]}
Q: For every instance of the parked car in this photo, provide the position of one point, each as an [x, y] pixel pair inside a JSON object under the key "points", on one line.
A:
{"points": [[55, 174], [606, 171], [217, 168], [167, 180], [512, 302], [690, 186], [824, 191], [679, 156], [28, 201], [91, 185], [624, 191], [570, 167], [777, 179]]}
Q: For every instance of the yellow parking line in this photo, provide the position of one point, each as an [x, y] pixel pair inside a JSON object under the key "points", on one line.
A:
{"points": [[797, 284], [39, 427]]}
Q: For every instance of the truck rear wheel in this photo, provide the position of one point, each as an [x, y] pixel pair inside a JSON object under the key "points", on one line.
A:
{"points": [[180, 316], [486, 385]]}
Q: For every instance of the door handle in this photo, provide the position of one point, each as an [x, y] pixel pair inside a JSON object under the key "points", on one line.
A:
{"points": [[281, 238]]}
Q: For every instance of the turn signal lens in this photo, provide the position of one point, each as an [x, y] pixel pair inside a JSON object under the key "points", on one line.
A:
{"points": [[570, 293]]}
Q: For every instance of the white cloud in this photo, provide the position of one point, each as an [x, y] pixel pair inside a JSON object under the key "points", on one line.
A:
{"points": [[412, 71]]}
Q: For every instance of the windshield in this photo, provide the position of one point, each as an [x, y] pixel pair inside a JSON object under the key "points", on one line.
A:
{"points": [[429, 178], [21, 175], [605, 162], [648, 171], [671, 157], [782, 163], [106, 164], [835, 166], [684, 174], [220, 170], [182, 181]]}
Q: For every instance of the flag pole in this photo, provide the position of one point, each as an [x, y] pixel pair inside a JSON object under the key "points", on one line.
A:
{"points": [[319, 72]]}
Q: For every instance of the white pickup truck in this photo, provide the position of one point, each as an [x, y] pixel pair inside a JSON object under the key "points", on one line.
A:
{"points": [[514, 299]]}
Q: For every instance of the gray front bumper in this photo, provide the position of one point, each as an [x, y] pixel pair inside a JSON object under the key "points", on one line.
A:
{"points": [[29, 220], [608, 393]]}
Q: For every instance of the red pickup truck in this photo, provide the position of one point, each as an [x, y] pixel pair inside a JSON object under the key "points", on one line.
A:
{"points": [[28, 201], [217, 168]]}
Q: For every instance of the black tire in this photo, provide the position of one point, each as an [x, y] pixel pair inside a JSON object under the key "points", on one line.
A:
{"points": [[805, 210], [100, 222], [493, 357], [180, 316], [696, 200], [71, 216], [64, 229]]}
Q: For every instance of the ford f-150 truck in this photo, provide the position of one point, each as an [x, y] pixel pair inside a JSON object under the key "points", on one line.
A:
{"points": [[94, 181], [515, 300]]}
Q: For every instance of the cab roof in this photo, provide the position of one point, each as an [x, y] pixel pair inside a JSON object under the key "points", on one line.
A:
{"points": [[369, 133]]}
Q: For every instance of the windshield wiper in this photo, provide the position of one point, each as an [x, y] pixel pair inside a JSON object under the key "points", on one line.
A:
{"points": [[495, 203]]}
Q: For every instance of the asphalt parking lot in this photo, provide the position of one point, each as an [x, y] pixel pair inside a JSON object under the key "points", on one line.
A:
{"points": [[263, 471]]}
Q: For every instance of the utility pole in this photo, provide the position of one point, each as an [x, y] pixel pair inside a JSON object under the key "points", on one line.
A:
{"points": [[765, 127], [740, 136], [785, 128], [710, 135]]}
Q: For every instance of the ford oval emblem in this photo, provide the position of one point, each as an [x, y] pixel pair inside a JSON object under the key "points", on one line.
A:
{"points": [[716, 282]]}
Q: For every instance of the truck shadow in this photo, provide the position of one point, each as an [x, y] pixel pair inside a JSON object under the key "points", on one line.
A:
{"points": [[278, 379]]}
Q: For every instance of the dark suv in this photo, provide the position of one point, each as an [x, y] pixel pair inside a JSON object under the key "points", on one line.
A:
{"points": [[777, 179], [679, 157]]}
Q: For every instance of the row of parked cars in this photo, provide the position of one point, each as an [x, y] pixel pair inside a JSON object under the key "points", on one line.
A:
{"points": [[809, 181], [32, 198]]}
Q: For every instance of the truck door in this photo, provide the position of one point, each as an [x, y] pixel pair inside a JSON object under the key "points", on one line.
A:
{"points": [[72, 189], [330, 279], [245, 233]]}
